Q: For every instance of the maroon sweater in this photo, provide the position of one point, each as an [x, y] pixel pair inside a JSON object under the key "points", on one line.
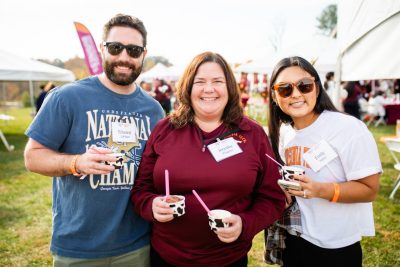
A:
{"points": [[244, 184]]}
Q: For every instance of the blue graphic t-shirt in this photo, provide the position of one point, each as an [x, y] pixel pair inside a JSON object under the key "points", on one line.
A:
{"points": [[93, 217]]}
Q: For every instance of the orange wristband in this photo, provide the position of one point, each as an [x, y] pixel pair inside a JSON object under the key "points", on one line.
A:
{"points": [[72, 166], [336, 193]]}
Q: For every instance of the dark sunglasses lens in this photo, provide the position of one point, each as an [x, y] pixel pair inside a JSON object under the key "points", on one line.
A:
{"points": [[306, 86], [134, 51], [285, 89], [114, 48]]}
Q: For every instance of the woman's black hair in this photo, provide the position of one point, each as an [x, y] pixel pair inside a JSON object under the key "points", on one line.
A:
{"points": [[276, 115]]}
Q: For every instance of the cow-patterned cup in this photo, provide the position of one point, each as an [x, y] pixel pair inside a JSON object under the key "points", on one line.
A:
{"points": [[177, 203], [215, 218], [288, 171], [119, 162]]}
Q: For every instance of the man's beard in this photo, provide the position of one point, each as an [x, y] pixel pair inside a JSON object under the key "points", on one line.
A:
{"points": [[122, 79]]}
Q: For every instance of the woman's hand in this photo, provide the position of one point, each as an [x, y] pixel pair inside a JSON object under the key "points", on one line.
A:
{"points": [[310, 187], [355, 191], [161, 210], [231, 233]]}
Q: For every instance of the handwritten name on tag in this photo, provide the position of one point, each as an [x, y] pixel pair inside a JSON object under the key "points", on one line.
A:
{"points": [[224, 149], [123, 132], [319, 155]]}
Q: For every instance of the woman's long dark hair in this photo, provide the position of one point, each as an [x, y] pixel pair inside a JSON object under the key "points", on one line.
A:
{"points": [[276, 115]]}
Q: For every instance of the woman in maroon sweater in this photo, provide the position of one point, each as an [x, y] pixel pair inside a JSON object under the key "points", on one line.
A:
{"points": [[244, 183]]}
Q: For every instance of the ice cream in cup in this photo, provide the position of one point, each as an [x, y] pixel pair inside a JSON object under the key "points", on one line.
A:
{"points": [[177, 203], [288, 171], [119, 162], [215, 218]]}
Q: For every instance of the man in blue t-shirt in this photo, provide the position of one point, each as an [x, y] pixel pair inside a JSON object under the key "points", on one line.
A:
{"points": [[80, 127]]}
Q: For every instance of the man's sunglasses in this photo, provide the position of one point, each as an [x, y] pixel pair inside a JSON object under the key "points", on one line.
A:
{"points": [[115, 48], [285, 89]]}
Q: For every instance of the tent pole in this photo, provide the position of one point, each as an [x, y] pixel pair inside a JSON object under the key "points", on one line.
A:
{"points": [[3, 87], [31, 95], [337, 101]]}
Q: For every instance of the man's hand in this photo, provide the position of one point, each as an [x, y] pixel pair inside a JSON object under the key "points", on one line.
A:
{"points": [[92, 162]]}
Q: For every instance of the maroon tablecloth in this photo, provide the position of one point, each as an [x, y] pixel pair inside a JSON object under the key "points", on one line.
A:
{"points": [[392, 113]]}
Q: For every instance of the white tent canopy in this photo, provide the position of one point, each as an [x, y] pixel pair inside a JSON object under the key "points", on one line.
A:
{"points": [[322, 50], [160, 71], [262, 66], [318, 49], [369, 38], [15, 68]]}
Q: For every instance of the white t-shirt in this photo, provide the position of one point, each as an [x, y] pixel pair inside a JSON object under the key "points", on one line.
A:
{"points": [[327, 224], [376, 106]]}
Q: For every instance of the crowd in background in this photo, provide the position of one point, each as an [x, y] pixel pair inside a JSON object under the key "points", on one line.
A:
{"points": [[163, 91], [365, 100]]}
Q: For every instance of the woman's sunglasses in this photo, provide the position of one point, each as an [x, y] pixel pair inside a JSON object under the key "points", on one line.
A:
{"points": [[285, 89], [115, 48]]}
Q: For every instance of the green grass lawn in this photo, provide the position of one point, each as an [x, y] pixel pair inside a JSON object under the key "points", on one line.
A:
{"points": [[25, 207]]}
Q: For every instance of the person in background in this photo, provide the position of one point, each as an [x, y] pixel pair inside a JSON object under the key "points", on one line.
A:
{"points": [[376, 108], [396, 87], [244, 83], [329, 86], [44, 90], [244, 96], [78, 127], [244, 88], [351, 104], [264, 88], [174, 101], [329, 80], [163, 93], [341, 163], [147, 87], [243, 182]]}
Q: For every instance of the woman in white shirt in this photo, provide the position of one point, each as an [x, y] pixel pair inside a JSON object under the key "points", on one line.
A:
{"points": [[341, 163]]}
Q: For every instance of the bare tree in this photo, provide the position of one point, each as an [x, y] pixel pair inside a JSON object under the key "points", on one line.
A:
{"points": [[275, 38]]}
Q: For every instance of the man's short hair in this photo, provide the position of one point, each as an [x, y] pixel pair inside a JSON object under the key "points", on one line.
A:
{"points": [[125, 21]]}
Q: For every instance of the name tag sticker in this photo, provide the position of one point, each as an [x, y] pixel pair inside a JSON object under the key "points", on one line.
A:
{"points": [[319, 155], [224, 149], [123, 132]]}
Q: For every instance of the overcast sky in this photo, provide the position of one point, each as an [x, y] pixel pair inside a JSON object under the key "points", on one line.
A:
{"points": [[239, 30]]}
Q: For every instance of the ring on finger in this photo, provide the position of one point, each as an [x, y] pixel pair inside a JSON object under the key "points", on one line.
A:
{"points": [[305, 194]]}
